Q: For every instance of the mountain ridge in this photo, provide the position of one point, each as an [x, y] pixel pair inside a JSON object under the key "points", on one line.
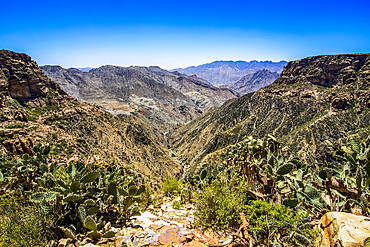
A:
{"points": [[252, 82], [225, 72], [168, 98]]}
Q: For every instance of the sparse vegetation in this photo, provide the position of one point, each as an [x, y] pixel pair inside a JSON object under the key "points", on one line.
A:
{"points": [[23, 223], [15, 126], [171, 187], [219, 204]]}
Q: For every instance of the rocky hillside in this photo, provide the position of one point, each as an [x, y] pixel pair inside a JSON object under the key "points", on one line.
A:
{"points": [[253, 82], [165, 98], [34, 109], [225, 72], [313, 107]]}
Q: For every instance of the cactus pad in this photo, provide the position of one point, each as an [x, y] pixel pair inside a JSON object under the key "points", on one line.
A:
{"points": [[112, 188], [109, 234], [37, 197], [92, 210], [285, 169], [90, 177], [51, 196], [140, 190], [122, 192], [82, 213], [95, 235], [312, 192], [68, 232], [44, 168], [127, 203], [203, 174], [75, 186], [72, 198], [292, 203], [90, 202], [132, 190], [90, 223]]}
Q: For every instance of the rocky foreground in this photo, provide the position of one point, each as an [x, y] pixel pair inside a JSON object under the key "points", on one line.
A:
{"points": [[164, 226], [167, 226]]}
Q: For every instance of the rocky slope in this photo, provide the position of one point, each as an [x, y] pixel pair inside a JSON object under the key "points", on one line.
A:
{"points": [[225, 72], [165, 98], [312, 107], [35, 109], [252, 82]]}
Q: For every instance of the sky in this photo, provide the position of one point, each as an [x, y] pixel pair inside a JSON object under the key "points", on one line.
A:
{"points": [[178, 34]]}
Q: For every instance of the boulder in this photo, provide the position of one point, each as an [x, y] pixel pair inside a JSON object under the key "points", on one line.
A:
{"points": [[343, 229]]}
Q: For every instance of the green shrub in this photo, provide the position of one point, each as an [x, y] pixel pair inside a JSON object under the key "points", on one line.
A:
{"points": [[23, 224], [15, 126], [171, 187], [219, 204], [176, 205], [272, 222]]}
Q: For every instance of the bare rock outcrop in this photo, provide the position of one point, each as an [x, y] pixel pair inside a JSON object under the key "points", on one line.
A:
{"points": [[343, 229], [327, 70], [21, 77]]}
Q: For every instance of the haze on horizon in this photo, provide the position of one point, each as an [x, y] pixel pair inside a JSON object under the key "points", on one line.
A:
{"points": [[178, 34]]}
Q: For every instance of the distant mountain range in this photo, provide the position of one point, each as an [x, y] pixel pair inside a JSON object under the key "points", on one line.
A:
{"points": [[225, 72], [252, 82], [165, 98], [86, 69]]}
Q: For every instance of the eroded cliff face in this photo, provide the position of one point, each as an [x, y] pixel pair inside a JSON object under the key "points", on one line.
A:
{"points": [[21, 77], [327, 70], [312, 108]]}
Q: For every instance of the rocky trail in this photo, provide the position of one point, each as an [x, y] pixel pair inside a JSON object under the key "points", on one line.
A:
{"points": [[164, 226]]}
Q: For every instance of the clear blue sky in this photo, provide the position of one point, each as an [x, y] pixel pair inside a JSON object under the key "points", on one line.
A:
{"points": [[174, 34]]}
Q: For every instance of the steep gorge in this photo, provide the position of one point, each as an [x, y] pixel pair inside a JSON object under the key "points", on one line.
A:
{"points": [[312, 108]]}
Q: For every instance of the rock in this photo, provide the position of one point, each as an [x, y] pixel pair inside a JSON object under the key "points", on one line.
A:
{"points": [[52, 243], [21, 77], [19, 146], [89, 245], [172, 234], [194, 244], [86, 241], [64, 242], [120, 240], [327, 70], [343, 229], [107, 227]]}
